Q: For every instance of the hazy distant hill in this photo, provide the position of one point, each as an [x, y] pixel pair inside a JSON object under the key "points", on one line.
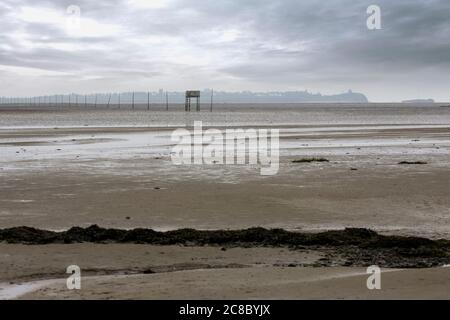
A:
{"points": [[234, 97], [159, 97], [285, 97]]}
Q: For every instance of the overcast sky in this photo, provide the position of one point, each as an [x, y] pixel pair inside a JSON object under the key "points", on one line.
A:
{"points": [[233, 45]]}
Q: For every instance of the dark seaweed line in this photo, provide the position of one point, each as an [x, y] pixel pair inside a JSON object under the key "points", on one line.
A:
{"points": [[358, 247], [254, 236]]}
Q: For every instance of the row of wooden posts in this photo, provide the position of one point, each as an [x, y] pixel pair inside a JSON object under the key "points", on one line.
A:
{"points": [[36, 101]]}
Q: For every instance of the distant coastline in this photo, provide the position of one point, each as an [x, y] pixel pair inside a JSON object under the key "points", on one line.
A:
{"points": [[159, 97], [286, 97]]}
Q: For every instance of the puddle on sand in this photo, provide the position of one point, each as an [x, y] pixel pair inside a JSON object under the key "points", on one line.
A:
{"points": [[14, 291]]}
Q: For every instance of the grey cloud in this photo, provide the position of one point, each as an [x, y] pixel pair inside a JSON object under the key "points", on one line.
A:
{"points": [[290, 43]]}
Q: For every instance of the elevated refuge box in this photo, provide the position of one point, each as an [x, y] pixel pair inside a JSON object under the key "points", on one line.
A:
{"points": [[189, 95], [192, 94]]}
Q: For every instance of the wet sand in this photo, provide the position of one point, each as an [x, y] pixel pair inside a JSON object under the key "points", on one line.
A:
{"points": [[147, 192], [260, 283], [173, 272]]}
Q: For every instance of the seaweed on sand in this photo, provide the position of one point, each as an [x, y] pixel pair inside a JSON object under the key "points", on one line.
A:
{"points": [[413, 162], [350, 247], [309, 160]]}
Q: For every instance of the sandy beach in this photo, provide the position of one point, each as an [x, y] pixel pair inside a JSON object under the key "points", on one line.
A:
{"points": [[246, 151], [174, 272], [65, 170]]}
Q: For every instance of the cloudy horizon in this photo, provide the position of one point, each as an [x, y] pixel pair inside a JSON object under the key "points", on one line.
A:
{"points": [[233, 45]]}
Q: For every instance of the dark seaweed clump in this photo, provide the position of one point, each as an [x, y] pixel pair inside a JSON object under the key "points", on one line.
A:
{"points": [[309, 160], [413, 162], [350, 247]]}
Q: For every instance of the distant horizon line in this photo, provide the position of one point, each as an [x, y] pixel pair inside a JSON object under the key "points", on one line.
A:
{"points": [[243, 96], [182, 91]]}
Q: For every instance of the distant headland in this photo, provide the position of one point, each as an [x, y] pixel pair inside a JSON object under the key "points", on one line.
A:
{"points": [[254, 97], [163, 97], [286, 97]]}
